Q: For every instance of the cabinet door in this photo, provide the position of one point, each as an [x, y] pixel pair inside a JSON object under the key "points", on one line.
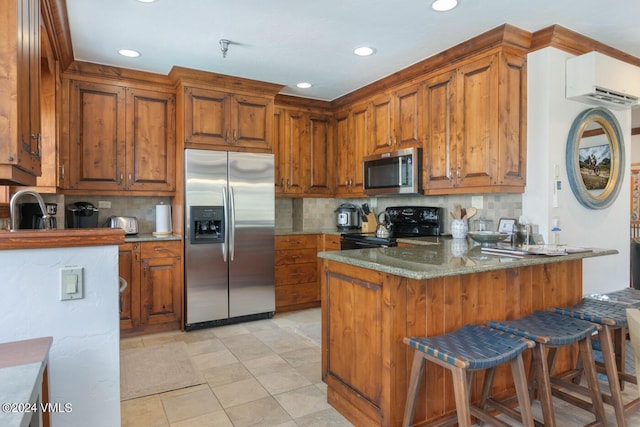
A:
{"points": [[381, 125], [252, 124], [360, 128], [27, 49], [129, 270], [344, 153], [280, 155], [206, 117], [512, 153], [478, 121], [440, 129], [320, 159], [295, 148], [408, 117], [97, 136], [160, 290], [151, 155]]}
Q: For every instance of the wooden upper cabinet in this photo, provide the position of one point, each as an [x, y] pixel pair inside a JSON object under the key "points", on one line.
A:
{"points": [[475, 137], [352, 131], [20, 151], [292, 147], [344, 153], [381, 125], [221, 119], [440, 142], [97, 136], [206, 117], [121, 139], [320, 164], [396, 121], [151, 148], [408, 117], [303, 153]]}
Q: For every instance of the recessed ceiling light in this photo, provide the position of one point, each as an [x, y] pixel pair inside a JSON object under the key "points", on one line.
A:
{"points": [[129, 53], [304, 85], [444, 5], [363, 51], [147, 1]]}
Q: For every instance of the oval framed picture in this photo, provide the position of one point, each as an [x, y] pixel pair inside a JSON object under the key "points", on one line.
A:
{"points": [[595, 158]]}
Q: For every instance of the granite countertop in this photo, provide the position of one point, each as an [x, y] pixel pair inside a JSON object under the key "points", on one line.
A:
{"points": [[449, 258], [141, 237]]}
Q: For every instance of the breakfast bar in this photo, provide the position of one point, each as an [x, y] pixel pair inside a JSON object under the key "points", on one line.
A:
{"points": [[373, 298]]}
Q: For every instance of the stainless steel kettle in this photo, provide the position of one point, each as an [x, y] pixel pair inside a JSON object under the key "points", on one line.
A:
{"points": [[384, 225]]}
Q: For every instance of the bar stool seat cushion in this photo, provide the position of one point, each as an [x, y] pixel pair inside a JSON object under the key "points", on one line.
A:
{"points": [[597, 311], [547, 328], [471, 347]]}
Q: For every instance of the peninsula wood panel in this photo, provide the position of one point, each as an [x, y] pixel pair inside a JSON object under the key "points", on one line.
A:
{"points": [[390, 307]]}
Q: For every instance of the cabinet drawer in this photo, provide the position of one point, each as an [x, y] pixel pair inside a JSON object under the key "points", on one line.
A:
{"points": [[297, 294], [297, 241], [295, 256], [296, 273], [331, 242], [160, 249]]}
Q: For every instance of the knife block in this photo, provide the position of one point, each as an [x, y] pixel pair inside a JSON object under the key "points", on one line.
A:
{"points": [[371, 223]]}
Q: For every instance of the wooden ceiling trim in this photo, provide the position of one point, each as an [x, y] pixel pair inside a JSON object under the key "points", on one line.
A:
{"points": [[575, 43], [54, 15]]}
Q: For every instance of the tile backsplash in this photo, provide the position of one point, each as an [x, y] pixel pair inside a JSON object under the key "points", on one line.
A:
{"points": [[300, 214], [143, 208], [313, 214]]}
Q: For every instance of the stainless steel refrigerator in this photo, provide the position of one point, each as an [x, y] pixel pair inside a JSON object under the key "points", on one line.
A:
{"points": [[229, 237]]}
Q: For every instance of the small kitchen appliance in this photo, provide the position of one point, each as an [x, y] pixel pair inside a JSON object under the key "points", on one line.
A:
{"points": [[403, 221], [31, 216], [128, 223], [82, 215], [348, 217]]}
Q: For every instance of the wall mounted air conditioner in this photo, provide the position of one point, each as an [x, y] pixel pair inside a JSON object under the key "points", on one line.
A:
{"points": [[598, 79]]}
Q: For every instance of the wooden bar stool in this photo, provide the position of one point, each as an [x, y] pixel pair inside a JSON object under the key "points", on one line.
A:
{"points": [[551, 331], [612, 318], [465, 351]]}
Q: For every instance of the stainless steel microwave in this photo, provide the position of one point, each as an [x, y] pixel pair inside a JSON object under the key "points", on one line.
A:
{"points": [[397, 172]]}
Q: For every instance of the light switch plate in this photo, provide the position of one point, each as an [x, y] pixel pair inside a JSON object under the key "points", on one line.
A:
{"points": [[71, 283], [104, 204]]}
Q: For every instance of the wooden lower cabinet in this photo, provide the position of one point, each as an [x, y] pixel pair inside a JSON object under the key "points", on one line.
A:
{"points": [[296, 272], [152, 301]]}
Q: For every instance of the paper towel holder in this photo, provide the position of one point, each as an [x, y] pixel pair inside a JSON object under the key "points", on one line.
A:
{"points": [[163, 221]]}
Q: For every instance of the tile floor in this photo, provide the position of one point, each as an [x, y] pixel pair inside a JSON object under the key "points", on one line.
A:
{"points": [[262, 373], [267, 373]]}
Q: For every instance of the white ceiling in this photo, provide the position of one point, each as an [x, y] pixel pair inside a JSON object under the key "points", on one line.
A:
{"points": [[289, 41]]}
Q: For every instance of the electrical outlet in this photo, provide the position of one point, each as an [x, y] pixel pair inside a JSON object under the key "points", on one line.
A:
{"points": [[104, 204]]}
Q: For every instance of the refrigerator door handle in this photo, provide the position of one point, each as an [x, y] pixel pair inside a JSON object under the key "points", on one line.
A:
{"points": [[225, 229], [232, 226]]}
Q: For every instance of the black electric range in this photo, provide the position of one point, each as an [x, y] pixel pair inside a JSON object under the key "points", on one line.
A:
{"points": [[406, 221]]}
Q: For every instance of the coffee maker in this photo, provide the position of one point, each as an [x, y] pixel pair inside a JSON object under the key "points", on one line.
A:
{"points": [[31, 216], [82, 215]]}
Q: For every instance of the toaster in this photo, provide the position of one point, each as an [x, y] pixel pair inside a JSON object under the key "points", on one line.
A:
{"points": [[128, 223]]}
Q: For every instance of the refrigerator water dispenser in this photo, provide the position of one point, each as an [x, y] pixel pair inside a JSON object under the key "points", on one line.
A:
{"points": [[207, 224]]}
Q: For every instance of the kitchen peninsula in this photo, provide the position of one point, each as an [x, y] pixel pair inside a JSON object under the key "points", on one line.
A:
{"points": [[373, 298]]}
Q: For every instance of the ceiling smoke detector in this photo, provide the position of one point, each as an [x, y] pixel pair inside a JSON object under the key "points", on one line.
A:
{"points": [[224, 47]]}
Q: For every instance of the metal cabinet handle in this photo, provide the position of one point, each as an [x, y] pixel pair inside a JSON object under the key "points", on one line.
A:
{"points": [[226, 135], [235, 136]]}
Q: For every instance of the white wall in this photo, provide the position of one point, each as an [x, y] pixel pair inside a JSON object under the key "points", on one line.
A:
{"points": [[84, 367], [549, 120]]}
